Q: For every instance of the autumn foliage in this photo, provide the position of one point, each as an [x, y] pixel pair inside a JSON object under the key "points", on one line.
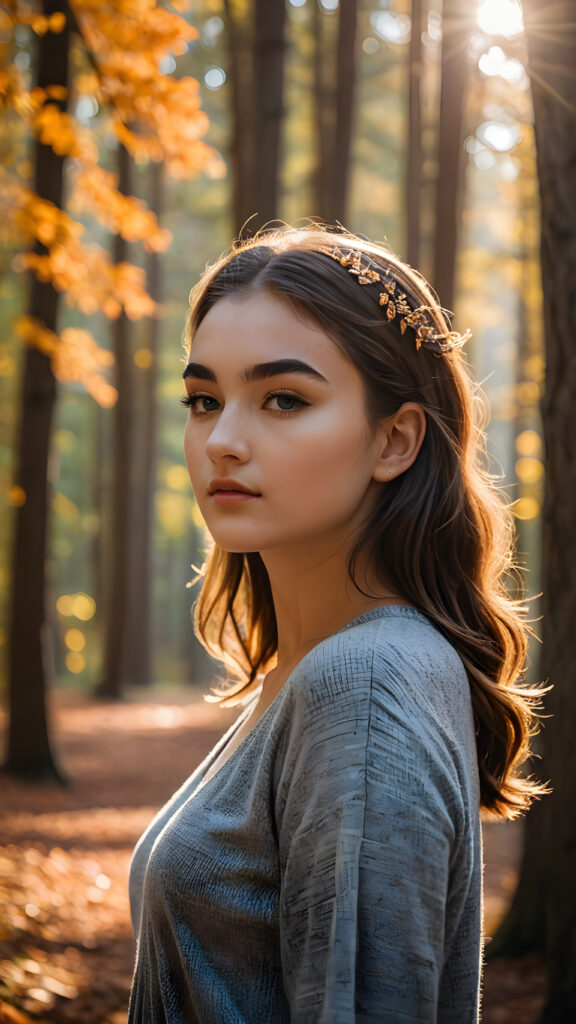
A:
{"points": [[118, 49]]}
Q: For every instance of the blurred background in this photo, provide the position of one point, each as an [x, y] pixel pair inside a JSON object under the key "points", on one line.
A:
{"points": [[315, 110], [138, 138]]}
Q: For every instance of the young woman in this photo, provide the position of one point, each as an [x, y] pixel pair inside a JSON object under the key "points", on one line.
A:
{"points": [[324, 863]]}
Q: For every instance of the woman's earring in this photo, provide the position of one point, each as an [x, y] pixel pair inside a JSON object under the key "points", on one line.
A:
{"points": [[389, 470]]}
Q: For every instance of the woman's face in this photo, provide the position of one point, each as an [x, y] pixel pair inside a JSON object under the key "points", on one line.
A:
{"points": [[277, 443]]}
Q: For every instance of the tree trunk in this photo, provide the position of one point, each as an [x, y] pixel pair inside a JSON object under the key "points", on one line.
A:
{"points": [[268, 100], [118, 611], [551, 36], [334, 113], [240, 78], [345, 92], [29, 750], [457, 21], [256, 53], [320, 108], [140, 653], [414, 158]]}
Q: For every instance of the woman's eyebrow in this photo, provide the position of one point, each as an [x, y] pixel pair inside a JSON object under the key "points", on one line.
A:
{"points": [[260, 371]]}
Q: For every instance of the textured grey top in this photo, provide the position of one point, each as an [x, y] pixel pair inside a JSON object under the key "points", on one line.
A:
{"points": [[331, 871]]}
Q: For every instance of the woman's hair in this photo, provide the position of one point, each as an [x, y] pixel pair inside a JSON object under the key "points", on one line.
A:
{"points": [[440, 532]]}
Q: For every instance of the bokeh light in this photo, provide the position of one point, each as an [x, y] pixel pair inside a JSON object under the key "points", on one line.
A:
{"points": [[500, 18], [529, 470], [75, 639], [75, 662], [528, 443], [526, 508]]}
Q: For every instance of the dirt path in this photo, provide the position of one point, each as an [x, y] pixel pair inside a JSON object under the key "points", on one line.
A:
{"points": [[66, 949]]}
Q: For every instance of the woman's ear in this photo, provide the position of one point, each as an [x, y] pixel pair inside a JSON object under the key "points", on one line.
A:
{"points": [[400, 437]]}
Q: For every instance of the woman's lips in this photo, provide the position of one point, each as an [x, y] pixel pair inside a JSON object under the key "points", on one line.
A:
{"points": [[231, 497]]}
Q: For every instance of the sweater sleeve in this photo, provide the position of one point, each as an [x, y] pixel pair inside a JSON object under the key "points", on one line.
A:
{"points": [[366, 833]]}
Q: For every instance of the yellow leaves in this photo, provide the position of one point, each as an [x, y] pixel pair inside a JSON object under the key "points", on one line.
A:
{"points": [[157, 117], [87, 83], [39, 23], [95, 190], [75, 356], [168, 125], [131, 291], [38, 218], [62, 132], [57, 92], [85, 273], [15, 95], [57, 21]]}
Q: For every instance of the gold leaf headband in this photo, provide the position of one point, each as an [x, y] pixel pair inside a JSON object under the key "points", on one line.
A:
{"points": [[396, 303]]}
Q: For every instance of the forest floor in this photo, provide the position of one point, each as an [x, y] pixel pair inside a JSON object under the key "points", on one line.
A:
{"points": [[66, 947]]}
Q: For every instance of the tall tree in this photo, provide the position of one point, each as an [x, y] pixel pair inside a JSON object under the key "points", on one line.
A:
{"points": [[121, 539], [238, 36], [544, 909], [457, 21], [167, 123], [256, 58], [268, 63], [139, 652], [29, 750], [334, 92], [413, 183]]}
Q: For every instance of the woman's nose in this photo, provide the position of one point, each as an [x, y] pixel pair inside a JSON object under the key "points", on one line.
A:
{"points": [[227, 439]]}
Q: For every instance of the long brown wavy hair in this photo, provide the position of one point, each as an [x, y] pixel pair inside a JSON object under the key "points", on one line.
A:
{"points": [[441, 532]]}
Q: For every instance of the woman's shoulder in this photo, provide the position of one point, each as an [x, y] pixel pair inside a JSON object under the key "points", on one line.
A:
{"points": [[389, 671], [389, 692], [395, 646]]}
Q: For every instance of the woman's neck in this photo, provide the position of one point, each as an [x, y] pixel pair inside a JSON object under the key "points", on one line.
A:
{"points": [[314, 597]]}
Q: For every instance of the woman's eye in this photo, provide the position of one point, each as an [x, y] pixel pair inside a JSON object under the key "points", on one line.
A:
{"points": [[200, 404], [284, 402]]}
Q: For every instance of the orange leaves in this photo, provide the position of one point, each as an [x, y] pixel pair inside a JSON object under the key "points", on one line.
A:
{"points": [[95, 191], [125, 29], [168, 125], [155, 116], [15, 95], [41, 25], [38, 218], [75, 356], [20, 14], [90, 281], [63, 133]]}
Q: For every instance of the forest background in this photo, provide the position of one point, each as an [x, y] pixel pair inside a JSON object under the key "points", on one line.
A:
{"points": [[137, 139]]}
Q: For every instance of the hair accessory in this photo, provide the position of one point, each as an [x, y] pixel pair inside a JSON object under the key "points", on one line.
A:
{"points": [[396, 303]]}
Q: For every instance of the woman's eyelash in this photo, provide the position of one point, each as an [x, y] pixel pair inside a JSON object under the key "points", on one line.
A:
{"points": [[300, 402], [190, 401], [193, 399]]}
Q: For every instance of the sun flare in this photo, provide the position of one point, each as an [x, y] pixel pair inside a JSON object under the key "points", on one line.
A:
{"points": [[500, 18]]}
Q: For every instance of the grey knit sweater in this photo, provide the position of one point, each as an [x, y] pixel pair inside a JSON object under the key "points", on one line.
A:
{"points": [[331, 871]]}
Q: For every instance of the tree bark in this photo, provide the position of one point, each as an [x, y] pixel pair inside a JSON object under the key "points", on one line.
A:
{"points": [[320, 113], [268, 62], [29, 749], [240, 79], [139, 659], [457, 21], [551, 38], [413, 183], [119, 569], [334, 114]]}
